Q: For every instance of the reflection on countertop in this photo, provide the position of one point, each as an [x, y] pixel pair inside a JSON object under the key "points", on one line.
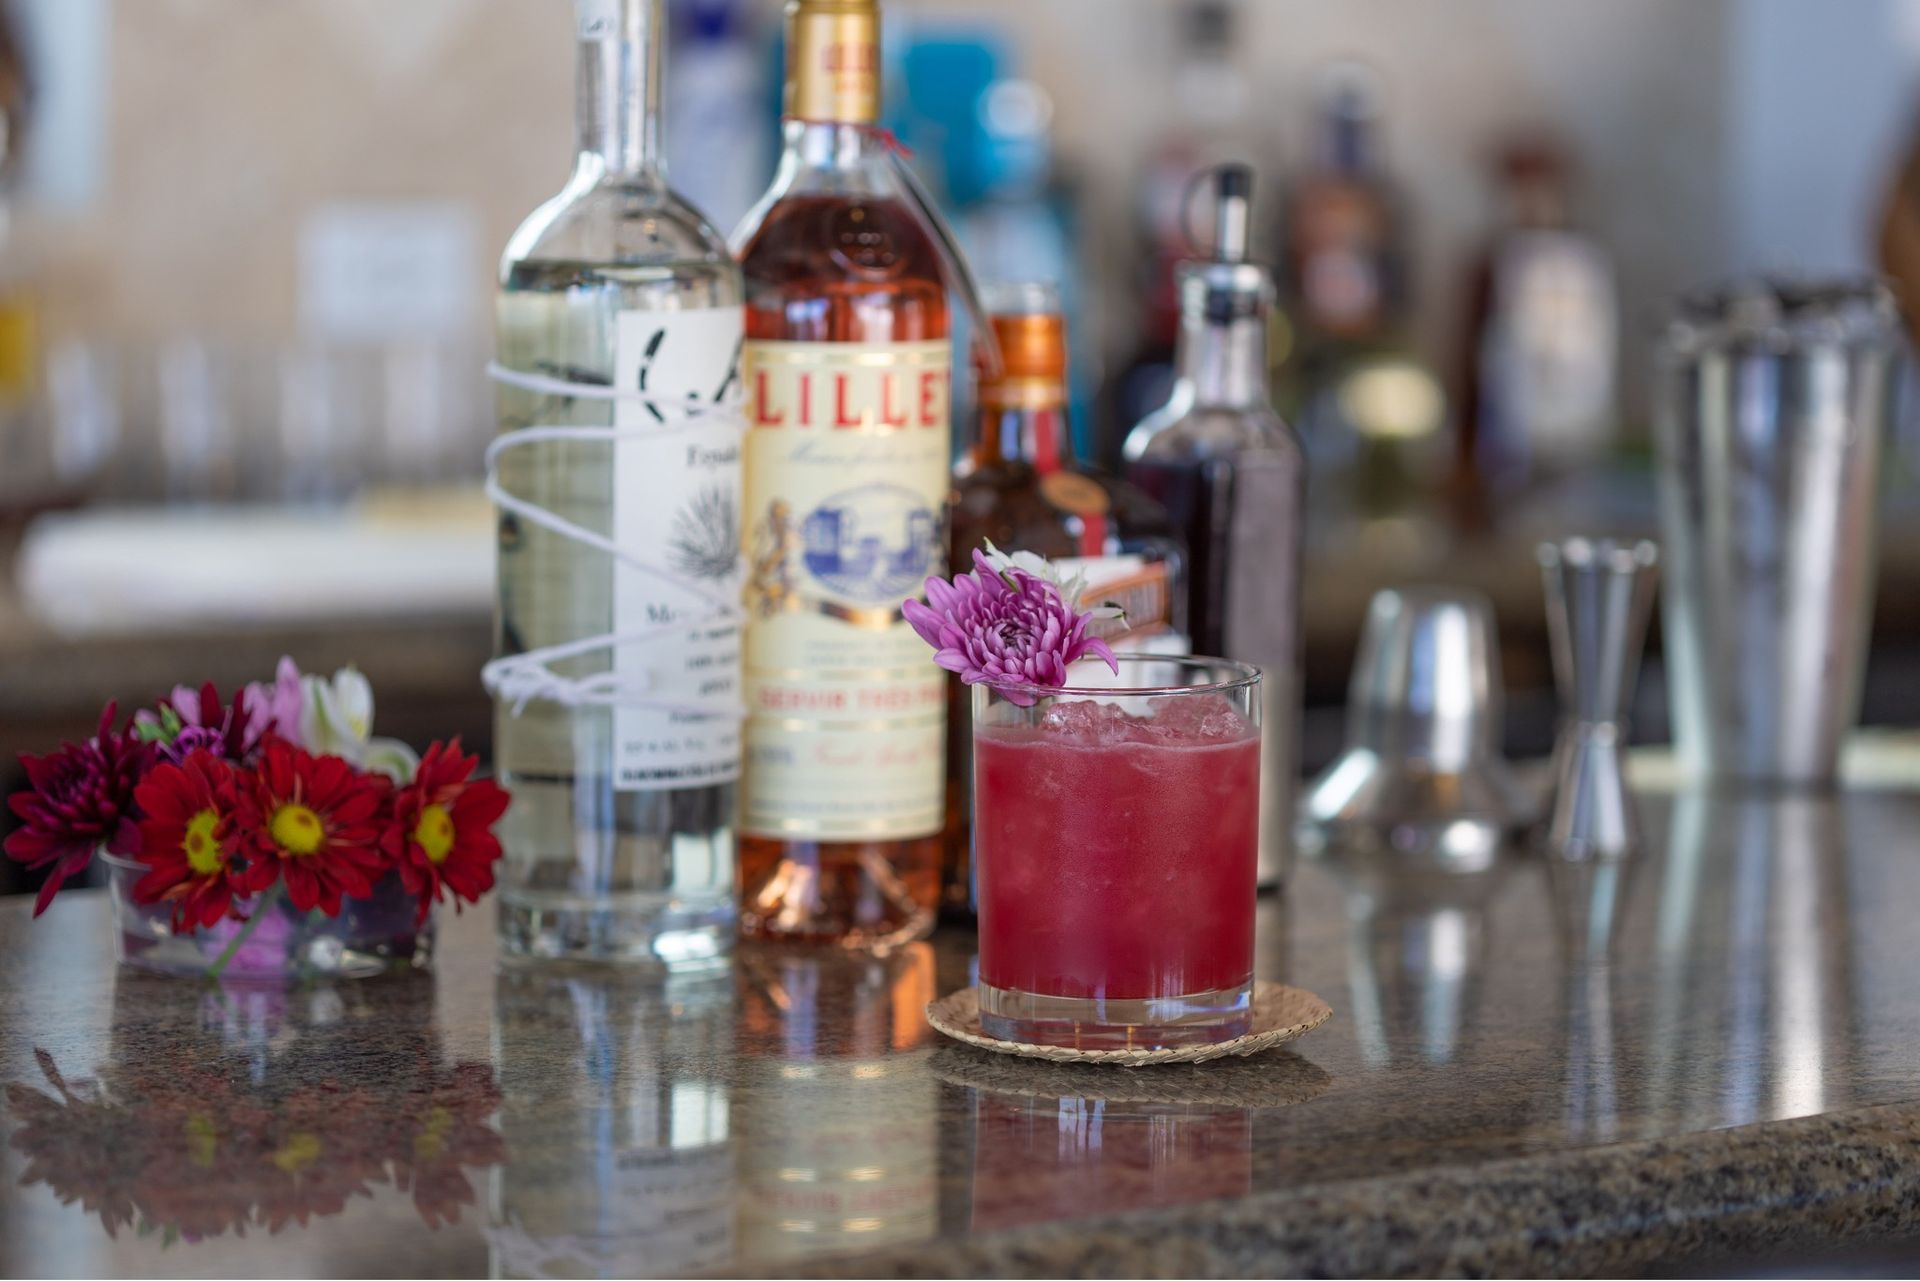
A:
{"points": [[1519, 1059]]}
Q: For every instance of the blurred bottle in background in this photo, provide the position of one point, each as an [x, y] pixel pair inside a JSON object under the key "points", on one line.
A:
{"points": [[1232, 476], [1021, 488], [21, 458], [1538, 395], [1897, 245], [1208, 127], [1343, 269], [1023, 228], [720, 136], [1371, 412], [982, 138]]}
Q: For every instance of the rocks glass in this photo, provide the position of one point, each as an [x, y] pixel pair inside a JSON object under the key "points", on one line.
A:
{"points": [[1116, 831], [370, 936]]}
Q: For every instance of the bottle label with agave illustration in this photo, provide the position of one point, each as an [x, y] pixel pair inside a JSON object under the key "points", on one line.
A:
{"points": [[677, 506]]}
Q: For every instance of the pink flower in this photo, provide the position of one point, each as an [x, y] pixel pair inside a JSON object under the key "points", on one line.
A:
{"points": [[277, 707], [190, 720], [1005, 628]]}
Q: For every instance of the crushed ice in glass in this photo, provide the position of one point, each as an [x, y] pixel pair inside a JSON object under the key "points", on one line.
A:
{"points": [[1198, 718]]}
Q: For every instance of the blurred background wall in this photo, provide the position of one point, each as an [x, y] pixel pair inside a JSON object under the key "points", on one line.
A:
{"points": [[196, 146]]}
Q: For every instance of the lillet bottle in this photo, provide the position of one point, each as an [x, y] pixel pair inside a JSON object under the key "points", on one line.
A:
{"points": [[847, 380], [617, 645]]}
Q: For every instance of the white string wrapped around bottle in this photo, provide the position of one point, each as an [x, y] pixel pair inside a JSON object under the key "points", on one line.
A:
{"points": [[519, 679]]}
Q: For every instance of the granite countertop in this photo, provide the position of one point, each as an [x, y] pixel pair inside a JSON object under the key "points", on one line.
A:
{"points": [[1708, 1055]]}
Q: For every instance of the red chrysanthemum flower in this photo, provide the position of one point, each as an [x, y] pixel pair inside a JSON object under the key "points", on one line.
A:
{"points": [[77, 800], [188, 839], [316, 821], [442, 830]]}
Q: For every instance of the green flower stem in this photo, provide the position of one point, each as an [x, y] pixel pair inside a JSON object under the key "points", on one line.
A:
{"points": [[261, 906]]}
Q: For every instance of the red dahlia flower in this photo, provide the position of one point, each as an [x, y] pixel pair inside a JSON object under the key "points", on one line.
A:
{"points": [[442, 829], [76, 800], [315, 821], [187, 839]]}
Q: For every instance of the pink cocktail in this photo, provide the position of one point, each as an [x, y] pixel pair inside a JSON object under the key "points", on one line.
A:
{"points": [[1115, 838]]}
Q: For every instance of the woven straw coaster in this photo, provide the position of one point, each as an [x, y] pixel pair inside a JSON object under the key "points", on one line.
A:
{"points": [[1275, 1080], [1280, 1013]]}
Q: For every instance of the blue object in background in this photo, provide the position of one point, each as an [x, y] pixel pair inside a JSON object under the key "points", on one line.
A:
{"points": [[982, 140], [944, 77], [720, 137]]}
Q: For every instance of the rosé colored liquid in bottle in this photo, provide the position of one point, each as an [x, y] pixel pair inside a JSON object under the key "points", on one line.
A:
{"points": [[1116, 853]]}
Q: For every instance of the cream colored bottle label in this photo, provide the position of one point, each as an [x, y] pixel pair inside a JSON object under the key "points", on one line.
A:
{"points": [[846, 492]]}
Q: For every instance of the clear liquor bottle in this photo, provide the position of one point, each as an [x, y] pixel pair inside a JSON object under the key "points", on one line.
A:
{"points": [[847, 373], [620, 841], [1233, 478]]}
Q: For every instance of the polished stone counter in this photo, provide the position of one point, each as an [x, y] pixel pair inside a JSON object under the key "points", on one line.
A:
{"points": [[1710, 1056]]}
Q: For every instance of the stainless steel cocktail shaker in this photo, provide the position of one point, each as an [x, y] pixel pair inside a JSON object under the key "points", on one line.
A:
{"points": [[1773, 405]]}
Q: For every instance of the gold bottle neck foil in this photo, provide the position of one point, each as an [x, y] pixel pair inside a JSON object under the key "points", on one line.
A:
{"points": [[833, 61]]}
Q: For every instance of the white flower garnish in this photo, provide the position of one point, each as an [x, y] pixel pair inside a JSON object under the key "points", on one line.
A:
{"points": [[1071, 587], [336, 719]]}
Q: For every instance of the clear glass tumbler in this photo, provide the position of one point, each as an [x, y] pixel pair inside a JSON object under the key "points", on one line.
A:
{"points": [[1116, 832], [370, 936]]}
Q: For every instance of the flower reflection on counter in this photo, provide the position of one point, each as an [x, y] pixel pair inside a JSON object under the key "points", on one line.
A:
{"points": [[615, 1109], [837, 1117], [224, 1110]]}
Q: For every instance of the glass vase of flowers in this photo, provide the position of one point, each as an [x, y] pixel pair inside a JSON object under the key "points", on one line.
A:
{"points": [[269, 836]]}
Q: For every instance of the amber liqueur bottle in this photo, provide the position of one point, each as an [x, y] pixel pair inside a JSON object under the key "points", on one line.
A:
{"points": [[847, 379], [1020, 487]]}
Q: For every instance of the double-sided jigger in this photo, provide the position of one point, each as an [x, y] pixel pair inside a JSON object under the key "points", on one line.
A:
{"points": [[1422, 774], [1599, 594]]}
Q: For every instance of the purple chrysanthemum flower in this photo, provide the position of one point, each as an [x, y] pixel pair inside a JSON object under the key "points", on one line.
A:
{"points": [[1005, 628], [191, 720], [191, 739]]}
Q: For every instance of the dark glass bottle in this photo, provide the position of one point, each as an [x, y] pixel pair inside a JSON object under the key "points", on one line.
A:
{"points": [[1232, 475], [1537, 394], [1021, 488]]}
